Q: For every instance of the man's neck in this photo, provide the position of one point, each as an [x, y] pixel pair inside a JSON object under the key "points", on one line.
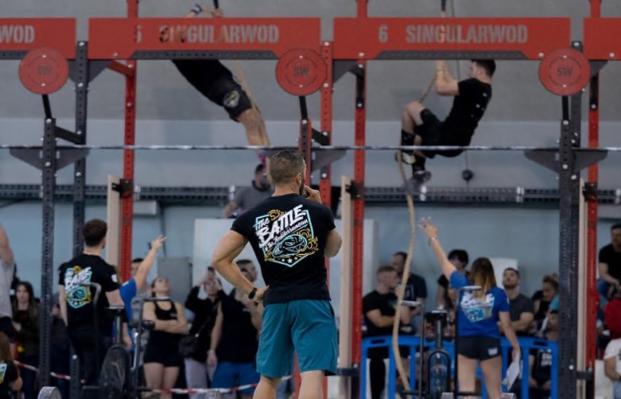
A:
{"points": [[383, 289], [616, 248], [513, 293], [92, 251], [484, 79], [285, 189]]}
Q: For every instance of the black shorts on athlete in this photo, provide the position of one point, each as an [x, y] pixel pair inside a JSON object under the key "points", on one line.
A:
{"points": [[167, 356], [213, 80], [479, 347], [432, 133]]}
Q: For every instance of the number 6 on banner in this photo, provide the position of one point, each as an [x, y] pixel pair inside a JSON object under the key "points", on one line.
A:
{"points": [[383, 33]]}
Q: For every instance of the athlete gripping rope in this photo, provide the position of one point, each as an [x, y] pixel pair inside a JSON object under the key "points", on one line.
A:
{"points": [[290, 234], [420, 126], [216, 82]]}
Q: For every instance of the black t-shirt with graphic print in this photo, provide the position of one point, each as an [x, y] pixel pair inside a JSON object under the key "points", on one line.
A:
{"points": [[288, 235], [8, 375], [467, 110], [85, 269]]}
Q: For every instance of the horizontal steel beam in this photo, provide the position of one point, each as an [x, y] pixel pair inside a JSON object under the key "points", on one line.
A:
{"points": [[514, 196]]}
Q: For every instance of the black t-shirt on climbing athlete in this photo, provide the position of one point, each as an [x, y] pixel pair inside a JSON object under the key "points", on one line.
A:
{"points": [[8, 375], [468, 109], [75, 276], [288, 234]]}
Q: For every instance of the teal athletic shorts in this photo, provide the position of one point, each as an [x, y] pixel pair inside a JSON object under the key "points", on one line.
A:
{"points": [[305, 326]]}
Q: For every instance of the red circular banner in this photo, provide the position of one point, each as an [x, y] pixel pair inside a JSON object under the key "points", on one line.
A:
{"points": [[565, 72], [301, 72], [44, 71]]}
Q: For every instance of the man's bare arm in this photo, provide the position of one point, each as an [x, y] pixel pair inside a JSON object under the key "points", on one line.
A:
{"points": [[6, 254], [145, 266], [229, 209], [445, 84], [114, 298], [229, 247], [333, 243], [604, 275], [62, 302]]}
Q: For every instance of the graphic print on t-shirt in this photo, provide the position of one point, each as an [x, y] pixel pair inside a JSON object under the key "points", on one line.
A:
{"points": [[3, 367], [477, 308], [76, 286], [286, 237]]}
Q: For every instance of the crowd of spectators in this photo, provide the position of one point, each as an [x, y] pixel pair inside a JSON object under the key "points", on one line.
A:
{"points": [[227, 325]]}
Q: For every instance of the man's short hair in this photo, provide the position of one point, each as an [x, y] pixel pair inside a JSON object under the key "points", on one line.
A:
{"points": [[386, 268], [552, 281], [285, 165], [459, 254], [137, 260], [615, 226], [402, 254], [94, 232], [513, 269], [260, 168], [488, 65]]}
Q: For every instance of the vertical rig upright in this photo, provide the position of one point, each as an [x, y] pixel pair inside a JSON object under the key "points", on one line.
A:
{"points": [[358, 197], [82, 79], [48, 186], [592, 210], [127, 198]]}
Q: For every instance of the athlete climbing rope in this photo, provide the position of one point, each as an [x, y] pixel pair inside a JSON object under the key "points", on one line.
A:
{"points": [[420, 126], [216, 82]]}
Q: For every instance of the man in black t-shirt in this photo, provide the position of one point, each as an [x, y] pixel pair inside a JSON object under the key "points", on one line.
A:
{"points": [[610, 264], [379, 309], [235, 337], [290, 233], [459, 258], [416, 286], [521, 307], [89, 324], [420, 126]]}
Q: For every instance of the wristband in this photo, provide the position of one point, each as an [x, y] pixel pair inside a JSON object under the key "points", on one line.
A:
{"points": [[197, 9], [252, 293]]}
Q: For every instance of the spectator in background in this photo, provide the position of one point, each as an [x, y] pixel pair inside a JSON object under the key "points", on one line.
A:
{"points": [[76, 297], [541, 362], [542, 298], [612, 355], [521, 307], [60, 349], [379, 307], [459, 259], [140, 269], [416, 287], [610, 264], [10, 383], [248, 197], [235, 337], [7, 272], [26, 323], [202, 301], [161, 356]]}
